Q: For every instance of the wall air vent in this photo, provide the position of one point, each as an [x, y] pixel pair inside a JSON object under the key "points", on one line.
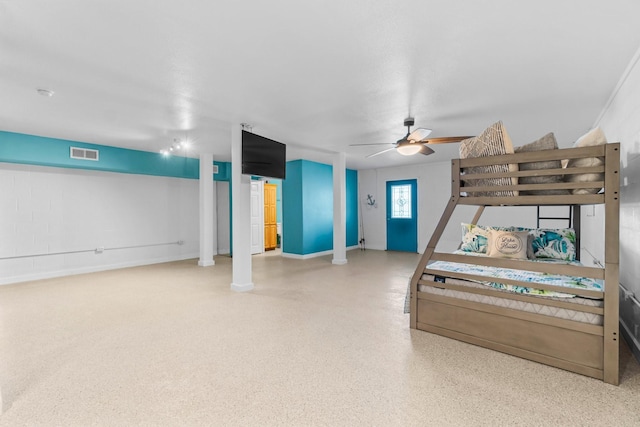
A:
{"points": [[215, 168], [84, 154]]}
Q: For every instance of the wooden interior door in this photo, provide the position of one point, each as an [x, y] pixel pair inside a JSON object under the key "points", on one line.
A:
{"points": [[270, 228]]}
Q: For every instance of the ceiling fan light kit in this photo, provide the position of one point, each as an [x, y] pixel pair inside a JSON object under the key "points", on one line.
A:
{"points": [[408, 148], [415, 142]]}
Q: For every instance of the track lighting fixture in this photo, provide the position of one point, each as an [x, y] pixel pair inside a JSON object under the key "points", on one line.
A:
{"points": [[175, 147]]}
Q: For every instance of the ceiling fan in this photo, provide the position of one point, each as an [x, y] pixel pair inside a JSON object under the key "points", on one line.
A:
{"points": [[414, 142]]}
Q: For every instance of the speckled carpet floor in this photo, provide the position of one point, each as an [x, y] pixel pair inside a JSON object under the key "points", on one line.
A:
{"points": [[313, 344]]}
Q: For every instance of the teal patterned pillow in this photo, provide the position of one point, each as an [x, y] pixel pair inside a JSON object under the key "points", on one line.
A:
{"points": [[557, 243], [475, 237]]}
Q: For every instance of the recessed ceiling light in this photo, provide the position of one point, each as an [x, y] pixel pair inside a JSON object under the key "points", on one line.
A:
{"points": [[45, 92]]}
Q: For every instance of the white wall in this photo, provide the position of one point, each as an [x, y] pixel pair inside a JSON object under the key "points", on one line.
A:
{"points": [[620, 121], [47, 210], [434, 191]]}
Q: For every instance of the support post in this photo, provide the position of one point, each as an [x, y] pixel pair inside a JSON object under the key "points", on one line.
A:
{"points": [[241, 213], [339, 209], [207, 229]]}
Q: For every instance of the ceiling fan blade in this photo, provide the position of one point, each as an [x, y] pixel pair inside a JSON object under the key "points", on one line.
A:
{"points": [[445, 139], [419, 134], [380, 152], [375, 143], [426, 150]]}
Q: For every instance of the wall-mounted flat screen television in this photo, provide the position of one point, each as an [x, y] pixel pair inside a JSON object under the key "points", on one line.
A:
{"points": [[262, 156]]}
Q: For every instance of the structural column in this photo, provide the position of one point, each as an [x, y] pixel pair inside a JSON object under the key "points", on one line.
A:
{"points": [[339, 209], [241, 214], [207, 217]]}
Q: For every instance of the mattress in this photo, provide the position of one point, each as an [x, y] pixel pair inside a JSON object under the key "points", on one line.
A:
{"points": [[568, 282], [558, 312]]}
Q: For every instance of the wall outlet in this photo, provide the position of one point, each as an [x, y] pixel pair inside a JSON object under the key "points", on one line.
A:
{"points": [[99, 249]]}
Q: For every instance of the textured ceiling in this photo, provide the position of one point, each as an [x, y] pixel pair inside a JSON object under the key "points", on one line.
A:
{"points": [[315, 75]]}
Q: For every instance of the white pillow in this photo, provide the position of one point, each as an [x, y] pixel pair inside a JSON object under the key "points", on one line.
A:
{"points": [[592, 138], [508, 244]]}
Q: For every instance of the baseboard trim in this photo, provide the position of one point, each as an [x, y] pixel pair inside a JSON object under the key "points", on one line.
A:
{"points": [[375, 248], [314, 254], [306, 256], [242, 288], [94, 269]]}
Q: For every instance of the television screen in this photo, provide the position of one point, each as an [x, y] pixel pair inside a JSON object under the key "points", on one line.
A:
{"points": [[262, 156]]}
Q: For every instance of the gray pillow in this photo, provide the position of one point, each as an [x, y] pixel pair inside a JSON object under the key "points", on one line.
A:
{"points": [[493, 141], [547, 142]]}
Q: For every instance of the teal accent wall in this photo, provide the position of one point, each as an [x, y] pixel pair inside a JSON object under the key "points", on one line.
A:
{"points": [[307, 207], [317, 197], [292, 209], [42, 151], [352, 207]]}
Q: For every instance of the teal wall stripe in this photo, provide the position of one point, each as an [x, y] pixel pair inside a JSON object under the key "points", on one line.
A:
{"points": [[42, 151], [224, 171]]}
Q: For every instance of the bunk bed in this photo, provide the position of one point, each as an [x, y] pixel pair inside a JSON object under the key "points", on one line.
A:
{"points": [[457, 303]]}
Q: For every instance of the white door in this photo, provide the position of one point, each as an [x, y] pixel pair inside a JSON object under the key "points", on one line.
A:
{"points": [[257, 217]]}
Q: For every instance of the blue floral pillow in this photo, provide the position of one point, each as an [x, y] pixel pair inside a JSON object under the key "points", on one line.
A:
{"points": [[475, 237], [557, 243]]}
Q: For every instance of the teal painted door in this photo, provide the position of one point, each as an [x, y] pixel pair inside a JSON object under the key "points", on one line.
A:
{"points": [[402, 216]]}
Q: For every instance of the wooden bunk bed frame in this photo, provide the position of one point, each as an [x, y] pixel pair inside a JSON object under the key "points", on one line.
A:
{"points": [[586, 349]]}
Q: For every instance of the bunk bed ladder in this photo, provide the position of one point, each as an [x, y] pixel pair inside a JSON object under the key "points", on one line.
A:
{"points": [[568, 218]]}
